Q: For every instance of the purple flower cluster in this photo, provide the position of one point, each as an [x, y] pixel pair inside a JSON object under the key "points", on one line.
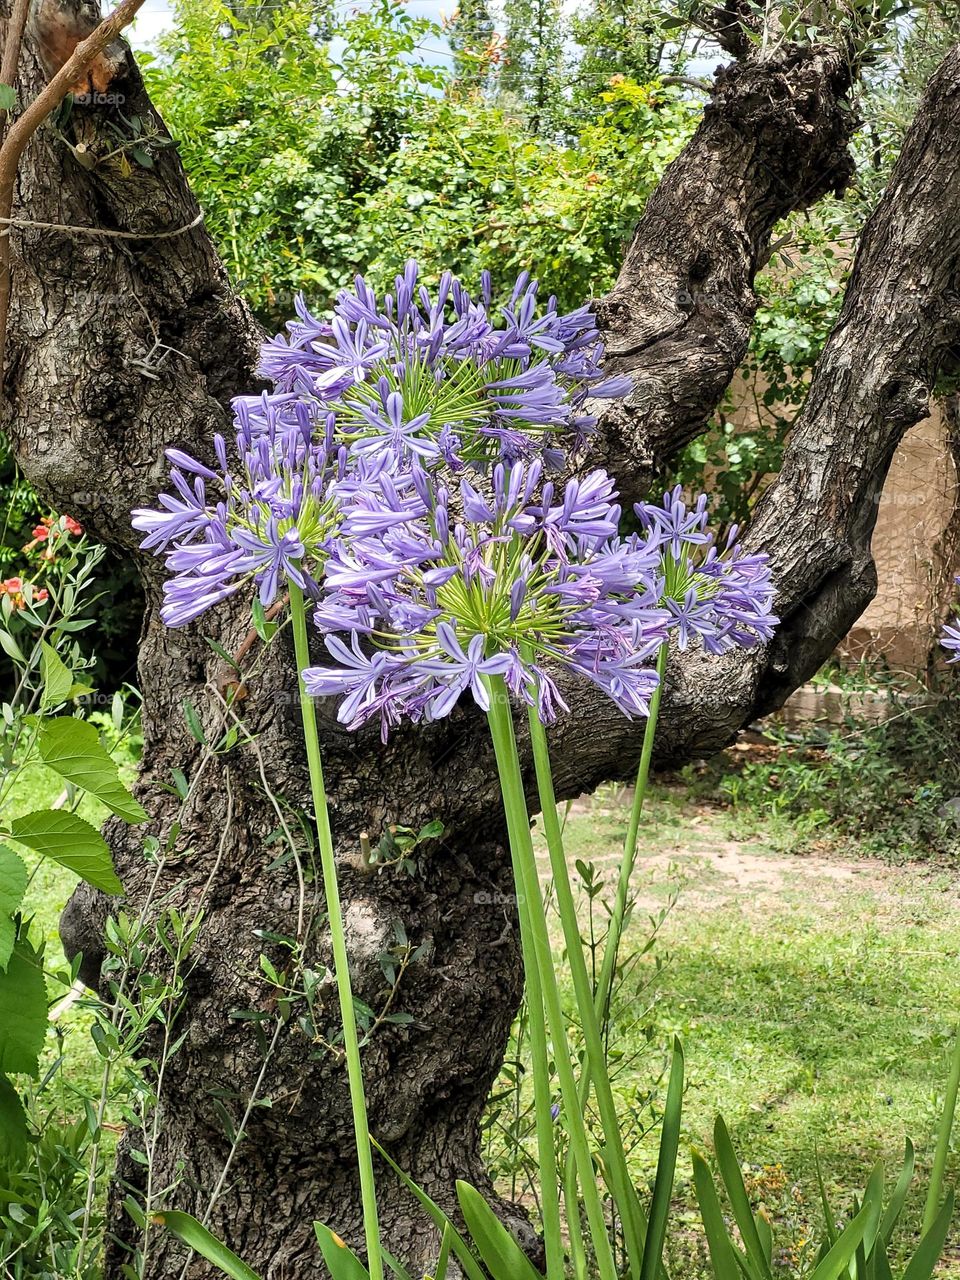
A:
{"points": [[724, 598], [271, 518], [437, 590], [951, 638], [400, 475], [442, 379]]}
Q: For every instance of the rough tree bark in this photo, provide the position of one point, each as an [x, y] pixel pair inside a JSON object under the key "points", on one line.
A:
{"points": [[90, 409]]}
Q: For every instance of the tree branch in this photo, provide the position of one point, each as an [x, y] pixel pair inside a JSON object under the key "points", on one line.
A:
{"points": [[773, 139], [26, 125]]}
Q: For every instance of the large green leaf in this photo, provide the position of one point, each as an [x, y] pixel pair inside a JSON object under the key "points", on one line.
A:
{"points": [[23, 1012], [72, 842], [899, 1197], [723, 1259], [13, 885], [13, 1125], [729, 1167], [58, 682], [838, 1257], [501, 1254], [72, 747], [666, 1169], [342, 1262], [196, 1237], [924, 1262]]}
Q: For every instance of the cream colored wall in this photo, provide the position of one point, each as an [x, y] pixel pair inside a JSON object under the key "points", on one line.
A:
{"points": [[916, 504]]}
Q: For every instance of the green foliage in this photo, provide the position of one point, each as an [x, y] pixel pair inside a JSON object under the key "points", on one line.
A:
{"points": [[281, 142], [533, 77], [37, 631], [890, 789], [861, 1244], [42, 1205], [313, 171], [800, 293], [470, 34]]}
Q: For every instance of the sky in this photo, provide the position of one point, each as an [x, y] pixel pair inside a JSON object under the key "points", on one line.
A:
{"points": [[155, 17]]}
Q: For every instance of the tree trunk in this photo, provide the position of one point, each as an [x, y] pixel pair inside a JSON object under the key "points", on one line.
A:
{"points": [[91, 400]]}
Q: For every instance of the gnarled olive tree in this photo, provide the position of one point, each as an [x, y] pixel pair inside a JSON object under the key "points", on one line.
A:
{"points": [[90, 407]]}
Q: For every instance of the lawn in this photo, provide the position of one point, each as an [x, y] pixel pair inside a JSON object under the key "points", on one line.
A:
{"points": [[815, 998]]}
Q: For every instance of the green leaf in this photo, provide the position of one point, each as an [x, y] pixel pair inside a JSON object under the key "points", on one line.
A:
{"points": [[73, 749], [439, 1219], [924, 1261], [342, 1262], [23, 1012], [739, 1203], [8, 97], [196, 1237], [13, 885], [840, 1255], [72, 842], [500, 1253], [722, 1256], [10, 647], [13, 1125], [58, 682], [666, 1169], [898, 1199], [432, 831], [828, 1218], [443, 1258], [193, 722]]}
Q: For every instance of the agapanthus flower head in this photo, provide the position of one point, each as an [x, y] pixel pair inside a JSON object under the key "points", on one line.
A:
{"points": [[950, 640], [268, 517], [724, 598], [503, 577], [445, 377]]}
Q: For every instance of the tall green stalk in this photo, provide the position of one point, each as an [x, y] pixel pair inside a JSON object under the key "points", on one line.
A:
{"points": [[338, 940], [595, 1066], [604, 986], [935, 1190], [528, 888], [629, 861], [546, 1147]]}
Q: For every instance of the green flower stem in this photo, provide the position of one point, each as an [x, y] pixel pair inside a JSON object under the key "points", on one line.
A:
{"points": [[338, 940], [546, 1146], [629, 860], [935, 1190], [595, 1066], [528, 888]]}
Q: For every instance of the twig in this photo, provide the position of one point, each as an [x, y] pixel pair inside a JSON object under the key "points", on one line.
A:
{"points": [[689, 82], [100, 231], [23, 129]]}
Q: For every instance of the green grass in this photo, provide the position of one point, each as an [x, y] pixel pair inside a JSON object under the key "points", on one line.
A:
{"points": [[815, 997]]}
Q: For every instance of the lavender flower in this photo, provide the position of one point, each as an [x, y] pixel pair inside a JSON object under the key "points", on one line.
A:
{"points": [[441, 378], [271, 518], [723, 598], [439, 590], [950, 639]]}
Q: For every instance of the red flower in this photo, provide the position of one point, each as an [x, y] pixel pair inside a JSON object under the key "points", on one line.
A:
{"points": [[41, 532], [11, 586], [72, 526]]}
